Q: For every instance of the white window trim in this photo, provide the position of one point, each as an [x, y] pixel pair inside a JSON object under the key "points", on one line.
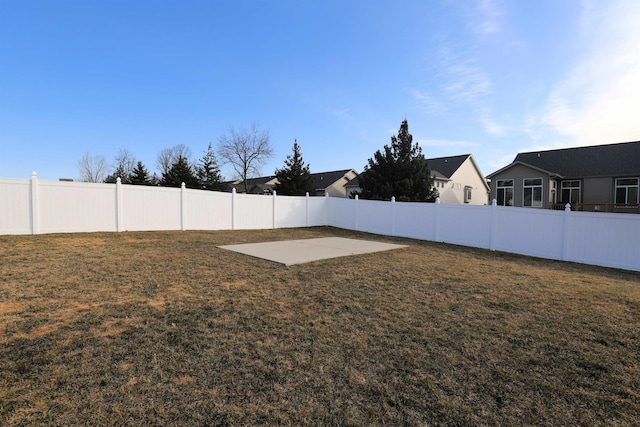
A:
{"points": [[626, 187], [579, 187], [524, 187], [512, 187]]}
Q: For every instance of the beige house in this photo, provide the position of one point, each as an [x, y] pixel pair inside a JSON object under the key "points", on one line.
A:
{"points": [[333, 183], [458, 180]]}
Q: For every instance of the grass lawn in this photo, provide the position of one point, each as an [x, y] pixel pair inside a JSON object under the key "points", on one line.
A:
{"points": [[163, 328]]}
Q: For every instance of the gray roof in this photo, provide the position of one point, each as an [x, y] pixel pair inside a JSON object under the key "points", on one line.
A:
{"points": [[440, 167], [599, 160], [255, 185], [446, 166], [354, 183], [324, 179], [321, 181]]}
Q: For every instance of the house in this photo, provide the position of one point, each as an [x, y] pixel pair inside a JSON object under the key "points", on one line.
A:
{"points": [[261, 185], [331, 183], [595, 178], [458, 180], [352, 187]]}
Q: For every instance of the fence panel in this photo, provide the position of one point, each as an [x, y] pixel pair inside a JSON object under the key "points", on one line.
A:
{"points": [[342, 213], [318, 214], [253, 212], [529, 231], [15, 206], [611, 240], [414, 220], [374, 216], [464, 225], [66, 207], [207, 210], [150, 208], [291, 211]]}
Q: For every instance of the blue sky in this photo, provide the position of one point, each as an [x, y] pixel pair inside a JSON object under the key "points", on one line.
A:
{"points": [[485, 77]]}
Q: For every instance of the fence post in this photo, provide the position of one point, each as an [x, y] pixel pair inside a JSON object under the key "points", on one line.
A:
{"points": [[233, 208], [119, 204], [393, 215], [565, 232], [35, 214], [355, 210], [306, 212], [273, 210], [183, 207], [492, 227], [326, 209], [436, 221]]}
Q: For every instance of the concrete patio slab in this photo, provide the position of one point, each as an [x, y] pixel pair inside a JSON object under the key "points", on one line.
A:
{"points": [[290, 252]]}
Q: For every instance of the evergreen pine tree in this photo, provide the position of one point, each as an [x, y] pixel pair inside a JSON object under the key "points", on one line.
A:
{"points": [[118, 173], [400, 171], [140, 175], [208, 171], [179, 172], [294, 179]]}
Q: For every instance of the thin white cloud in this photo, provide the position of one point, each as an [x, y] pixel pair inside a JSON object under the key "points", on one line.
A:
{"points": [[499, 162], [599, 100], [487, 19], [492, 127], [468, 83], [425, 101]]}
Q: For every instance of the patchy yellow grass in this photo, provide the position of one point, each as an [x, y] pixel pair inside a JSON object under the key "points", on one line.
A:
{"points": [[164, 328]]}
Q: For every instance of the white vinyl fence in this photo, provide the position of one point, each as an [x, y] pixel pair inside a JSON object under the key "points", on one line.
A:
{"points": [[34, 207]]}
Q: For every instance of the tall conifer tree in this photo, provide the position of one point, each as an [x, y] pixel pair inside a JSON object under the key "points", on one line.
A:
{"points": [[208, 171], [399, 171], [140, 175], [294, 179], [181, 171]]}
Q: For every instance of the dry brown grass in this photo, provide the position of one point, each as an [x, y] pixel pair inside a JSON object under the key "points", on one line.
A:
{"points": [[163, 328]]}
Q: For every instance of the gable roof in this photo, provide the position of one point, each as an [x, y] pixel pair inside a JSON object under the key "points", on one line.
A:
{"points": [[354, 183], [260, 184], [510, 165], [322, 180], [598, 160], [446, 166], [441, 168]]}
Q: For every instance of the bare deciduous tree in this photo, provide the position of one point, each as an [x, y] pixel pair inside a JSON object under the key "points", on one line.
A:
{"points": [[123, 165], [126, 161], [246, 150], [92, 168], [168, 156]]}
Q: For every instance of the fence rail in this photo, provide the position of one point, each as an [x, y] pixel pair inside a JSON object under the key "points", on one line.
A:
{"points": [[34, 207], [599, 207]]}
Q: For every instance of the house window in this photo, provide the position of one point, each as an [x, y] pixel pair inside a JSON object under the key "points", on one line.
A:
{"points": [[626, 190], [467, 194], [570, 192], [504, 193], [532, 192]]}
